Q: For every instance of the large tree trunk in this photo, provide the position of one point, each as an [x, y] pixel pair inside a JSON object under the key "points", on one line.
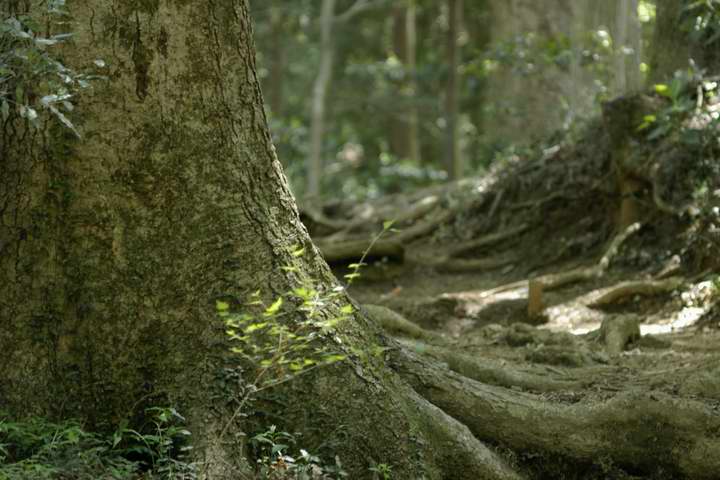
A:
{"points": [[114, 248]]}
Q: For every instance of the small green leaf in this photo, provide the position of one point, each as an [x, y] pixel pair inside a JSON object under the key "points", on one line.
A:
{"points": [[273, 309], [662, 89], [648, 120], [387, 225], [347, 309], [334, 358], [222, 306], [255, 327]]}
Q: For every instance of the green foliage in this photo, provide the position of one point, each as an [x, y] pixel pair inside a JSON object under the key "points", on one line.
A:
{"points": [[33, 82], [382, 471], [163, 444], [689, 116], [701, 19], [277, 343], [279, 458], [38, 449], [673, 115], [287, 337]]}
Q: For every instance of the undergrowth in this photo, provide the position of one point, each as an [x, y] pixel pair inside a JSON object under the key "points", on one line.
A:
{"points": [[39, 449]]}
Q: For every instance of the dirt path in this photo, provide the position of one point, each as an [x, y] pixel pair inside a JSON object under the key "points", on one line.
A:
{"points": [[528, 307]]}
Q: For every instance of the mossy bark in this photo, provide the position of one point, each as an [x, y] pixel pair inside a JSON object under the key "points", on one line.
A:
{"points": [[113, 248]]}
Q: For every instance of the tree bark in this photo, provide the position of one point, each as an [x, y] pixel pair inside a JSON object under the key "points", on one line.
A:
{"points": [[114, 248]]}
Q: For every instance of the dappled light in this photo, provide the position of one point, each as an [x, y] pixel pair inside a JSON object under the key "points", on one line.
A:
{"points": [[360, 239]]}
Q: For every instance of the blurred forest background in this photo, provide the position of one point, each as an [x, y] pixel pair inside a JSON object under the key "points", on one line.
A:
{"points": [[368, 97]]}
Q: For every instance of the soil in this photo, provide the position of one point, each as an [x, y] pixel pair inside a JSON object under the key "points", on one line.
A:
{"points": [[620, 314]]}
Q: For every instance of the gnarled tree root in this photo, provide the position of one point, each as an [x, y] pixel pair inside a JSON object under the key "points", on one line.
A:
{"points": [[639, 430], [533, 378], [618, 332], [462, 455], [395, 324]]}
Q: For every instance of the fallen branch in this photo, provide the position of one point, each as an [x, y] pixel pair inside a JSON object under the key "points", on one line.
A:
{"points": [[623, 290], [341, 251]]}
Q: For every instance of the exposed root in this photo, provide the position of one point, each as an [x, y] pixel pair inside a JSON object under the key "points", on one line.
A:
{"points": [[493, 372], [486, 241], [539, 202], [459, 453], [452, 263], [645, 431], [418, 210], [660, 203], [395, 324], [494, 208], [554, 280], [617, 332]]}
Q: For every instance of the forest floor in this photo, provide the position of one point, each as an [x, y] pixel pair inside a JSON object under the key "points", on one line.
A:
{"points": [[535, 280]]}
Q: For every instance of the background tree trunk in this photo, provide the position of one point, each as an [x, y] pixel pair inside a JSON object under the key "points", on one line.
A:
{"points": [[453, 155], [628, 45], [322, 84], [405, 138], [278, 61]]}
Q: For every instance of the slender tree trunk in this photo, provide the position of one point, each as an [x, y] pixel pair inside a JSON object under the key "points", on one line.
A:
{"points": [[671, 49], [620, 44], [278, 61], [453, 155], [577, 30], [405, 136], [628, 47], [635, 42], [322, 84], [411, 65]]}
